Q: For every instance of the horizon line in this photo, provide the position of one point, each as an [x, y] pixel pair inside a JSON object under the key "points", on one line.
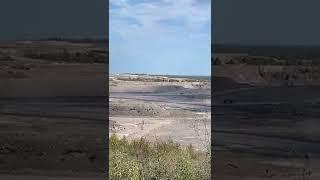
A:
{"points": [[156, 74]]}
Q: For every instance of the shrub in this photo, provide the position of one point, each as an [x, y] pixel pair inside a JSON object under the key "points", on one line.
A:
{"points": [[141, 159]]}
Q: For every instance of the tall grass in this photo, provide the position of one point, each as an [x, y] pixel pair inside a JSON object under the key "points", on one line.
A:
{"points": [[143, 160]]}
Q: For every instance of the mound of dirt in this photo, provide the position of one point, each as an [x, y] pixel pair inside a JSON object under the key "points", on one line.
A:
{"points": [[137, 109], [244, 74], [131, 87]]}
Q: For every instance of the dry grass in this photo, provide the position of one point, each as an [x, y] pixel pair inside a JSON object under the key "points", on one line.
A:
{"points": [[142, 160]]}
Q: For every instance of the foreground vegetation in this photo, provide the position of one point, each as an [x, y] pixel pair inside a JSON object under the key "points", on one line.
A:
{"points": [[144, 160]]}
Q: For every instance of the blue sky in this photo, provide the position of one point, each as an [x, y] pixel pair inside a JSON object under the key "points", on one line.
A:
{"points": [[160, 36]]}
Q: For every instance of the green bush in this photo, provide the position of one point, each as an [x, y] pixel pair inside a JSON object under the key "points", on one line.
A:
{"points": [[144, 160]]}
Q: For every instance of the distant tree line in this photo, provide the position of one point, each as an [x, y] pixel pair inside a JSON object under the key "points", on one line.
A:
{"points": [[279, 52], [64, 55], [78, 40], [251, 60]]}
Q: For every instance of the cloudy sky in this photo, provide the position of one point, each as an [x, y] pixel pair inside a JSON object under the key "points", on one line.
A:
{"points": [[160, 36]]}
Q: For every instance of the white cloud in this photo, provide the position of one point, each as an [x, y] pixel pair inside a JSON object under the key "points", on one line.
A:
{"points": [[135, 19]]}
